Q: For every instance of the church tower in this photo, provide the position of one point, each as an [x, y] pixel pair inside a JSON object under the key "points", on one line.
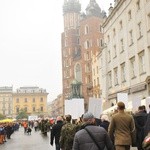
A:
{"points": [[71, 51], [80, 42]]}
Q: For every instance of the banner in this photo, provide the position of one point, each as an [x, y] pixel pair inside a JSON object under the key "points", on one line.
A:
{"points": [[147, 103], [95, 106], [74, 107], [123, 97], [136, 103]]}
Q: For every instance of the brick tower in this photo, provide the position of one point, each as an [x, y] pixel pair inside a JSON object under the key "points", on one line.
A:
{"points": [[82, 31]]}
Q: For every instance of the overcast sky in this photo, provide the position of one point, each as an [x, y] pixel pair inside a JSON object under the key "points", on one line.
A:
{"points": [[30, 43]]}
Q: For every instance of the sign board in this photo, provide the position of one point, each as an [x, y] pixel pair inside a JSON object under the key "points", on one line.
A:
{"points": [[32, 118], [74, 107], [136, 103], [123, 97], [95, 106], [147, 103]]}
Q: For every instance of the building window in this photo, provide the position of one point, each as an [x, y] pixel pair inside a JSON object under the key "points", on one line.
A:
{"points": [[131, 37], [94, 72], [108, 38], [25, 100], [41, 100], [33, 100], [41, 108], [138, 5], [101, 42], [109, 80], [129, 15], [100, 28], [120, 24], [78, 41], [148, 22], [97, 80], [114, 32], [66, 42], [115, 51], [25, 109], [88, 67], [121, 46], [94, 82], [87, 44], [109, 57], [97, 69], [17, 110], [139, 30], [116, 76], [142, 62], [87, 55], [123, 73], [86, 29], [17, 100], [88, 79], [33, 109], [132, 67]]}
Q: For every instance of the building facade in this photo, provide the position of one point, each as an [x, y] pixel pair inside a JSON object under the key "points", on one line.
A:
{"points": [[80, 42], [56, 107], [32, 100], [6, 102], [125, 58]]}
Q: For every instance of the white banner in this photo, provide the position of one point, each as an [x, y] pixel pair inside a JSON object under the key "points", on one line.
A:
{"points": [[32, 118], [136, 103], [74, 107], [123, 97], [147, 103], [95, 106]]}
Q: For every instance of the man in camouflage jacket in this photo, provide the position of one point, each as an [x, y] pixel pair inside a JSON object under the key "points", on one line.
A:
{"points": [[67, 134]]}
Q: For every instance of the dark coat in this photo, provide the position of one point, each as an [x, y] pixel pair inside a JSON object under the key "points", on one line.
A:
{"points": [[105, 125], [82, 140], [140, 121], [147, 126], [55, 132]]}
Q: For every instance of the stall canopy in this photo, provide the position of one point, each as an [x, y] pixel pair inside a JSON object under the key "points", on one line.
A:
{"points": [[6, 120]]}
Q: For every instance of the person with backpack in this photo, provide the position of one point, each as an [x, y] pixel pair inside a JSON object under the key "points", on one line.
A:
{"points": [[91, 136], [68, 131]]}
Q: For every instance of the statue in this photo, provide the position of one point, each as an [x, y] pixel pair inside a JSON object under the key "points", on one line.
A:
{"points": [[76, 92]]}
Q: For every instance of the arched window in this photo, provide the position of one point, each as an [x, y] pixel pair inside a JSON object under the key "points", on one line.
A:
{"points": [[86, 29]]}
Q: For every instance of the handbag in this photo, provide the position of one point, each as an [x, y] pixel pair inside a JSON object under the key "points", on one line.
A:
{"points": [[92, 137]]}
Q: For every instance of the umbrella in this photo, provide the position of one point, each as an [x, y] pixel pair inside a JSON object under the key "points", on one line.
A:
{"points": [[6, 120]]}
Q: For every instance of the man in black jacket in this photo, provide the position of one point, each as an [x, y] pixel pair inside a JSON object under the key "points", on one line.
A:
{"points": [[55, 132], [140, 120]]}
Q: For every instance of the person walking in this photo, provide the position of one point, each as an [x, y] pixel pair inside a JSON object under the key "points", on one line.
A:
{"points": [[105, 122], [91, 136], [140, 119], [147, 124], [67, 134], [55, 132], [122, 128]]}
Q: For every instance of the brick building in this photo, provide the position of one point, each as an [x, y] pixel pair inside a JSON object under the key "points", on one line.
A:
{"points": [[81, 40]]}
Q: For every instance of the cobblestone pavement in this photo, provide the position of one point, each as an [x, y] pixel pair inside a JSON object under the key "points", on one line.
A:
{"points": [[35, 141], [21, 141]]}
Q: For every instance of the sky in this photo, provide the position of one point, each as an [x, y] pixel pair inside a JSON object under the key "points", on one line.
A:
{"points": [[30, 43]]}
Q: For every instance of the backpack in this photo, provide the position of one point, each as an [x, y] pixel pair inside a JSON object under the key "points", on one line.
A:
{"points": [[69, 131]]}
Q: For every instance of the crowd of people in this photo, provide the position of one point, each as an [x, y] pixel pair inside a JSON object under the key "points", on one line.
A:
{"points": [[118, 131], [6, 130], [121, 131]]}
